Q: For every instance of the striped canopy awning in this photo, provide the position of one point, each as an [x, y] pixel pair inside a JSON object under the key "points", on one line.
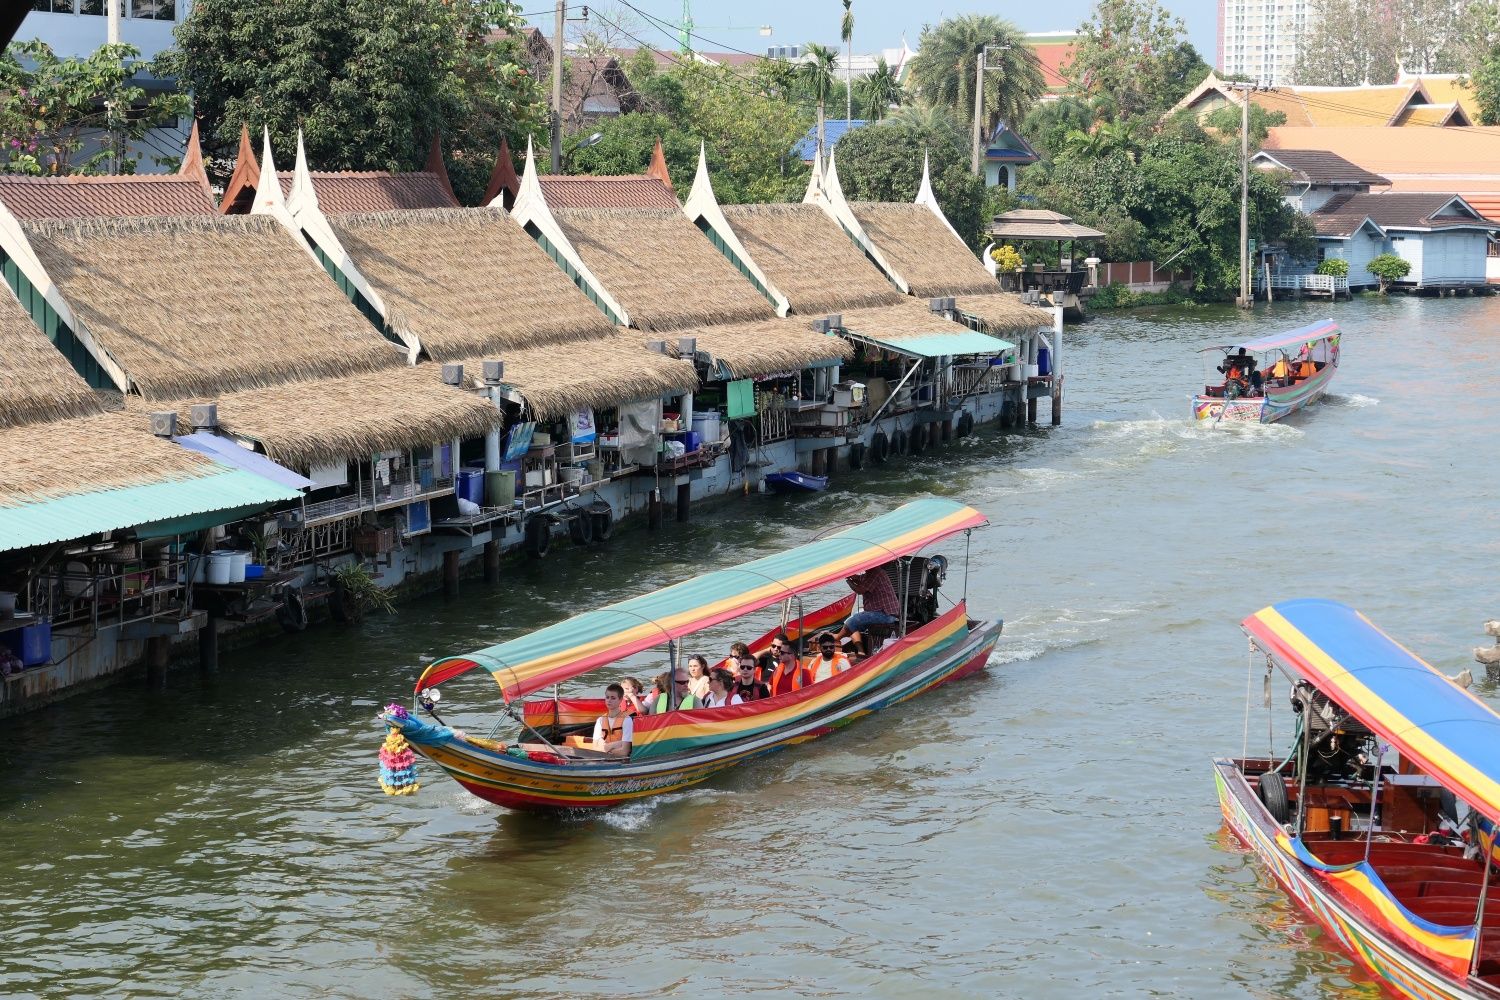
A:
{"points": [[590, 640], [1429, 720], [1321, 330]]}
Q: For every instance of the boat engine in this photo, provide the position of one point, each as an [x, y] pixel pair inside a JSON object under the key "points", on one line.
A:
{"points": [[1340, 747]]}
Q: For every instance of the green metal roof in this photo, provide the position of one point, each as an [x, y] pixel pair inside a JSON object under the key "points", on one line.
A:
{"points": [[936, 345], [229, 493]]}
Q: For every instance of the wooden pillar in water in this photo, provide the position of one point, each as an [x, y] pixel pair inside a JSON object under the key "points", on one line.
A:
{"points": [[492, 561], [684, 500], [820, 462], [450, 573], [653, 510], [947, 431], [1031, 410], [208, 645], [1057, 368]]}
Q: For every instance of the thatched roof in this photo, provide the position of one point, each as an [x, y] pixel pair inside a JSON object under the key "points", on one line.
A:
{"points": [[603, 372], [36, 381], [907, 318], [89, 455], [1003, 312], [764, 347], [192, 306], [923, 250], [658, 265], [333, 419], [466, 281], [809, 258]]}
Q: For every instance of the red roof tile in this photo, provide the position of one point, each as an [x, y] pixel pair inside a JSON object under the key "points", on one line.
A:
{"points": [[626, 191], [132, 196], [377, 191]]}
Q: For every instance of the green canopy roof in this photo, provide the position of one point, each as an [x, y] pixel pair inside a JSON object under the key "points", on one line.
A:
{"points": [[936, 345]]}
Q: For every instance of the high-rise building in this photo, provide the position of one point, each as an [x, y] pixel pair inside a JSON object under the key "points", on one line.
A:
{"points": [[1258, 39]]}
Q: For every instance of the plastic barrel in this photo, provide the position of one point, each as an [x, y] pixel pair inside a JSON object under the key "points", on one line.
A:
{"points": [[237, 562], [499, 488], [471, 485], [1043, 361], [219, 564]]}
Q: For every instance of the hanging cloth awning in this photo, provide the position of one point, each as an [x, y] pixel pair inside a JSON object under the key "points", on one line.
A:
{"points": [[225, 450], [937, 345], [595, 638], [1432, 722]]}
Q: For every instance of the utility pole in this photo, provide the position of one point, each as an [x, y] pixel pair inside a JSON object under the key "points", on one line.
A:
{"points": [[557, 66], [981, 66], [1246, 298], [112, 22]]}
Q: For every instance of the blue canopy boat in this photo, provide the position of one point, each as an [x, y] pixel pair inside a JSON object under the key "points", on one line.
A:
{"points": [[1268, 378], [1380, 820], [796, 482]]}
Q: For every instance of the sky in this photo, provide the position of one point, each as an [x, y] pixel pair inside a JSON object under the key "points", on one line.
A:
{"points": [[878, 24]]}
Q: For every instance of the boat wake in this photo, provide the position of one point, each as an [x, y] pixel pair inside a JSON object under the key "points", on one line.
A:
{"points": [[636, 815], [1027, 481], [1159, 436], [1034, 635], [1355, 400]]}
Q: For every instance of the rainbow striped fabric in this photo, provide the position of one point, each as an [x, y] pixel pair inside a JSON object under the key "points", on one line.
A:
{"points": [[591, 640], [1432, 722]]}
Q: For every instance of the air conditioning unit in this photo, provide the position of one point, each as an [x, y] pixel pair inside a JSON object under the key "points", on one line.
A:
{"points": [[820, 325], [453, 374], [659, 346], [494, 371], [835, 321], [164, 423], [687, 346], [204, 416], [937, 305], [951, 303]]}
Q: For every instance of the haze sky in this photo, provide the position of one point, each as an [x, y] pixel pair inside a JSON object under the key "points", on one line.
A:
{"points": [[878, 24]]}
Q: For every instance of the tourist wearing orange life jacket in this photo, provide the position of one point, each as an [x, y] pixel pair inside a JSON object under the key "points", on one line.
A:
{"points": [[615, 729], [828, 661], [790, 674]]}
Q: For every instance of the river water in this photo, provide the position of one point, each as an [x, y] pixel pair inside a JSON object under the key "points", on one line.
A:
{"points": [[1046, 829]]}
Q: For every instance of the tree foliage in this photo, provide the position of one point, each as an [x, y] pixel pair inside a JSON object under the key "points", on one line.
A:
{"points": [[943, 70], [1479, 58], [53, 111], [883, 162], [368, 81], [1178, 202], [1134, 54], [747, 133], [881, 91], [1388, 267], [1351, 43]]}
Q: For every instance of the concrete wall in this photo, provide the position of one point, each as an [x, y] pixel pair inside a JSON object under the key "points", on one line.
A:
{"points": [[80, 34]]}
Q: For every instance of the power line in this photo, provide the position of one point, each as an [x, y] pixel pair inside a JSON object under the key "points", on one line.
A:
{"points": [[677, 28]]}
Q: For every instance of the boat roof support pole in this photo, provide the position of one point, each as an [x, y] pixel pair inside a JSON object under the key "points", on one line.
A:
{"points": [[905, 590], [1380, 749], [672, 675], [968, 535], [1302, 763], [1484, 889]]}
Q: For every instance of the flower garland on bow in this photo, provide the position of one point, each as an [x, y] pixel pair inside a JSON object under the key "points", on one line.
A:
{"points": [[398, 761]]}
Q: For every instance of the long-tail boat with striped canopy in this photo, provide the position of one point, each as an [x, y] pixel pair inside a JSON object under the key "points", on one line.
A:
{"points": [[1379, 820], [1292, 369], [678, 748]]}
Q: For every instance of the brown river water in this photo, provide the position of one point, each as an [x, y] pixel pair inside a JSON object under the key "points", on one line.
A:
{"points": [[1045, 829]]}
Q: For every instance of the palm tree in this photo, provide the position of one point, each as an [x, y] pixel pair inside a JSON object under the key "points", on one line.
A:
{"points": [[846, 32], [943, 70], [817, 73], [1091, 145], [882, 90]]}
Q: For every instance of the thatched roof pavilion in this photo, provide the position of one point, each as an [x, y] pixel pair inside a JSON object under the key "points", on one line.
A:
{"points": [[559, 379], [766, 347], [190, 306], [810, 260], [36, 382], [923, 249], [465, 282]]}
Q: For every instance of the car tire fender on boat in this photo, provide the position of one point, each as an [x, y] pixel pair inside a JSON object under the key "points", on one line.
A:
{"points": [[900, 442], [856, 456], [581, 527], [292, 614], [919, 439], [538, 536], [604, 520], [880, 447], [965, 424], [1272, 791]]}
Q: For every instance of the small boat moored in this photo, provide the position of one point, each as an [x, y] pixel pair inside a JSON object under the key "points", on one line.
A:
{"points": [[551, 764], [1267, 378], [795, 482], [1380, 819]]}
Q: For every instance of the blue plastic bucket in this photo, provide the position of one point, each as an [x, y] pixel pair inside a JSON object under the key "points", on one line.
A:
{"points": [[1043, 361]]}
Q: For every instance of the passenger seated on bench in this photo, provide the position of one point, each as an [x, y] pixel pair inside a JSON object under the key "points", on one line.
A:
{"points": [[881, 607], [719, 693], [635, 696], [828, 661], [1307, 369], [745, 684], [614, 730], [1281, 371], [790, 674], [685, 697], [698, 676], [768, 660]]}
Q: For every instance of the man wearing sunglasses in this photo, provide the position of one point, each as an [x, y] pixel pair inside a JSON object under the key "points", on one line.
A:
{"points": [[745, 684], [790, 674], [828, 661]]}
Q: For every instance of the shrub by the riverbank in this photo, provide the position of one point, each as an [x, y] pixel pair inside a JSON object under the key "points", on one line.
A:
{"points": [[1120, 296]]}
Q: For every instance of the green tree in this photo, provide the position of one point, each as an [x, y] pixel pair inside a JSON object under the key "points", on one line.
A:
{"points": [[1136, 53], [625, 147], [1343, 49], [1050, 122], [883, 162], [1388, 267], [943, 70], [881, 91], [1479, 58], [817, 76], [368, 81], [846, 33], [1227, 121], [52, 109]]}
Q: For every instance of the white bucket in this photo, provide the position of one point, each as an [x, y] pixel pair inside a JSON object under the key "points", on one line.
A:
{"points": [[571, 473], [238, 560], [199, 566], [1032, 371], [219, 565]]}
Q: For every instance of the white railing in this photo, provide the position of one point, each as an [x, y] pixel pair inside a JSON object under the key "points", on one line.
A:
{"points": [[1325, 284]]}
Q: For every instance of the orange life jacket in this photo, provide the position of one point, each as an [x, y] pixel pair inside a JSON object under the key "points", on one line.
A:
{"points": [[789, 678], [1308, 370], [612, 731], [1281, 369], [837, 665]]}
